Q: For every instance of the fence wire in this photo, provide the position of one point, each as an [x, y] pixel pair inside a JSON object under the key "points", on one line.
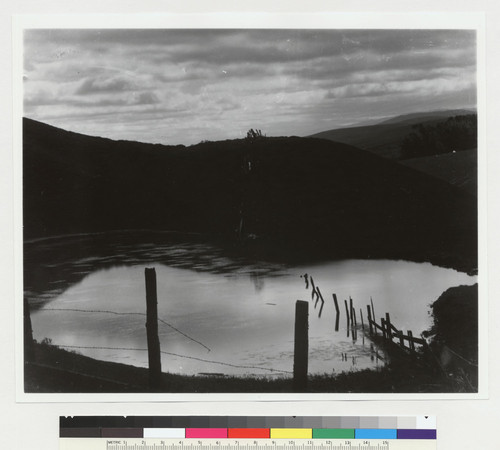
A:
{"points": [[127, 314], [178, 355]]}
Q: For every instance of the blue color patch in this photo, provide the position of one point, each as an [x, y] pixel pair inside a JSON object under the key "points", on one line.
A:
{"points": [[374, 433]]}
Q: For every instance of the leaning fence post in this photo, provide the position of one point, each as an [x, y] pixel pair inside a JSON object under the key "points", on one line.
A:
{"points": [[313, 288], [401, 338], [301, 349], [362, 324], [29, 353], [154, 357], [411, 341], [382, 322], [388, 326], [320, 297], [347, 316], [354, 324], [369, 318], [351, 308], [337, 318]]}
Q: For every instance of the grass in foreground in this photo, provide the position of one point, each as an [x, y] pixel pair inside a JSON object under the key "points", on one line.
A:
{"points": [[59, 371]]}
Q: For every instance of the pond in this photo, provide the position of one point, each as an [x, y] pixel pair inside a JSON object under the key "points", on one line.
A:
{"points": [[240, 320]]}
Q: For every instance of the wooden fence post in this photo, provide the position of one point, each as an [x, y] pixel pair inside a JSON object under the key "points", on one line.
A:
{"points": [[347, 316], [354, 324], [384, 332], [29, 351], [301, 348], [369, 319], [154, 356], [401, 339], [320, 297], [388, 326], [412, 343], [362, 324], [337, 317]]}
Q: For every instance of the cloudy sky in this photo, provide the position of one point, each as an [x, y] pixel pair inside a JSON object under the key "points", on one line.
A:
{"points": [[184, 86]]}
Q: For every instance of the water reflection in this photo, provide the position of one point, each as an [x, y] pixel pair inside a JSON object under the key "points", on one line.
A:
{"points": [[245, 315], [258, 281]]}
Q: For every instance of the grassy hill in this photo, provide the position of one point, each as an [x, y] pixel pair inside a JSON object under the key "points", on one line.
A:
{"points": [[459, 168], [385, 138], [287, 195], [419, 117], [423, 141], [382, 139]]}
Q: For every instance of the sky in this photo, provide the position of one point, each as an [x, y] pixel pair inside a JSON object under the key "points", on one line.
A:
{"points": [[183, 86]]}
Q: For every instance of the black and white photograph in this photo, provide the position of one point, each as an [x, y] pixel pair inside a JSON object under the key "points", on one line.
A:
{"points": [[250, 211]]}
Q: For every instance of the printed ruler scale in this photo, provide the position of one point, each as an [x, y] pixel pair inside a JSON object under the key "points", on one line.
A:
{"points": [[247, 433], [295, 444]]}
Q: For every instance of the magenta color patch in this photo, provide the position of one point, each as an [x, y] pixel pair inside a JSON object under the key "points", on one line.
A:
{"points": [[207, 433]]}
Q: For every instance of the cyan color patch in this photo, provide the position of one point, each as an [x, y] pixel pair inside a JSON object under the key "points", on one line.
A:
{"points": [[372, 433]]}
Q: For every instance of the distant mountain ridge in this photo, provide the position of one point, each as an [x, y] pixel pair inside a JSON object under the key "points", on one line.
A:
{"points": [[425, 116], [295, 195]]}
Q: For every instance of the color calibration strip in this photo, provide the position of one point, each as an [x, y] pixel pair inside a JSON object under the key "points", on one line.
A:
{"points": [[366, 428]]}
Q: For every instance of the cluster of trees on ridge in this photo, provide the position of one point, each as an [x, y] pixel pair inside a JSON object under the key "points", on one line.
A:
{"points": [[454, 134]]}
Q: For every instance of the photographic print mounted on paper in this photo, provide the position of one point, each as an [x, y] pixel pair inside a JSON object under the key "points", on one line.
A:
{"points": [[250, 211]]}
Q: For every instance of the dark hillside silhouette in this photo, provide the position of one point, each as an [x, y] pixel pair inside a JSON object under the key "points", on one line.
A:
{"points": [[458, 168], [303, 195]]}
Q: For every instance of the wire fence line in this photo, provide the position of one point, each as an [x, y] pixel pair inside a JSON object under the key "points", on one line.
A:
{"points": [[127, 314], [461, 357], [178, 355]]}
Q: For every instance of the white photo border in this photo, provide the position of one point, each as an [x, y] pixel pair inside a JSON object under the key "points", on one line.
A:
{"points": [[467, 21]]}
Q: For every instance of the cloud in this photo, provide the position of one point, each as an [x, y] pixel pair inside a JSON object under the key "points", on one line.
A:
{"points": [[434, 86], [147, 98], [104, 85], [240, 46], [39, 98], [204, 79]]}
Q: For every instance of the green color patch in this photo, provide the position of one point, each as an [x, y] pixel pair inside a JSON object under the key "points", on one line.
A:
{"points": [[333, 433]]}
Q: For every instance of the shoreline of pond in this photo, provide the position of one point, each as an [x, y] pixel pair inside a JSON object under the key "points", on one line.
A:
{"points": [[55, 370], [59, 371]]}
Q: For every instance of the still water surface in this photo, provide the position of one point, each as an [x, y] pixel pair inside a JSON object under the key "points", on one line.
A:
{"points": [[245, 315]]}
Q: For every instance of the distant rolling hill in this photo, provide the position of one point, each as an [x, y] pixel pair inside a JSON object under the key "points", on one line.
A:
{"points": [[458, 168], [426, 116], [303, 196], [389, 139], [386, 137]]}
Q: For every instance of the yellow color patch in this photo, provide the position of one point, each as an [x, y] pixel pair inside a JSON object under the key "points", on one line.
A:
{"points": [[291, 433]]}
